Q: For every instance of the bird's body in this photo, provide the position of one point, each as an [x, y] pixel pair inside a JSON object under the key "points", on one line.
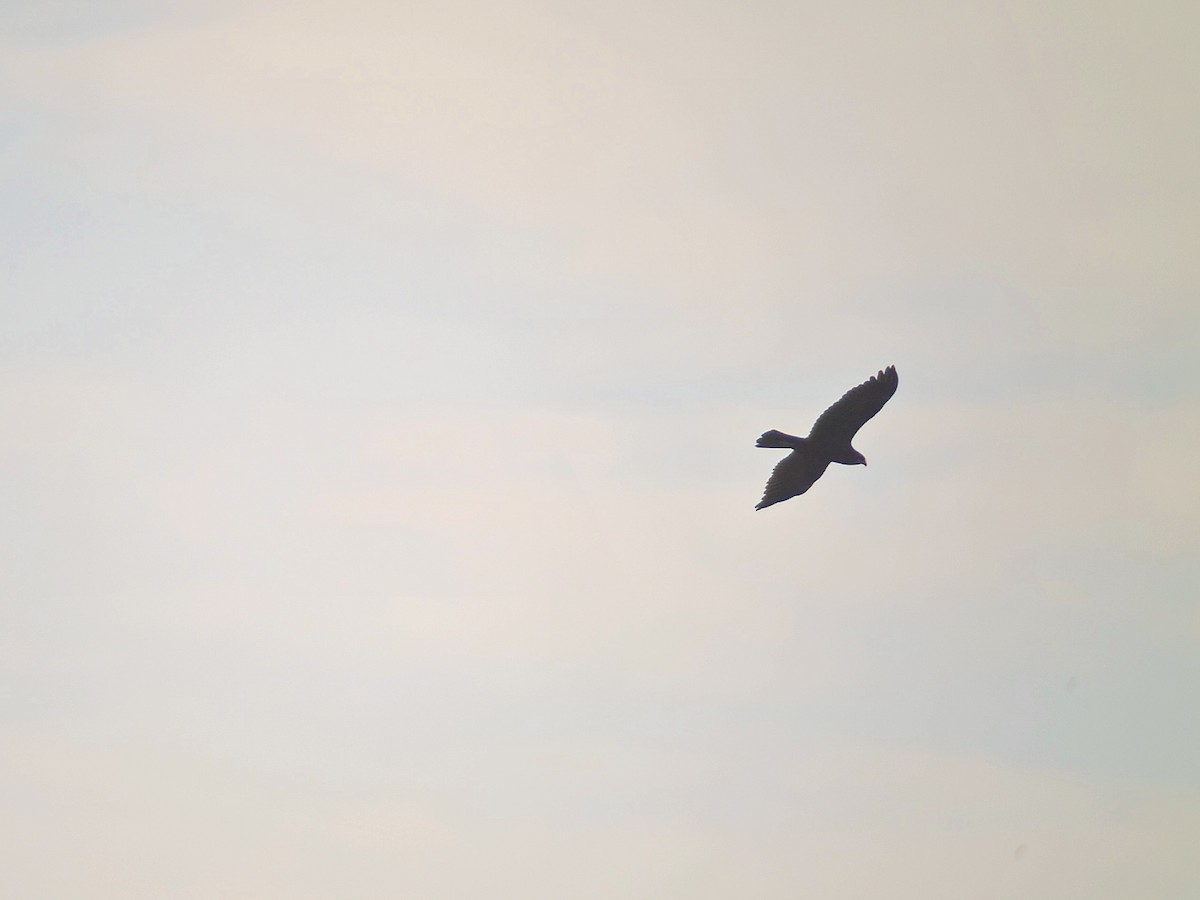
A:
{"points": [[828, 441]]}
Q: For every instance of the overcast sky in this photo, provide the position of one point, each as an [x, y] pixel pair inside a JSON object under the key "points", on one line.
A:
{"points": [[378, 391]]}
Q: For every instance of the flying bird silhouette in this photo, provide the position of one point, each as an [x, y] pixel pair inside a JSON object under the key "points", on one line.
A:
{"points": [[828, 441]]}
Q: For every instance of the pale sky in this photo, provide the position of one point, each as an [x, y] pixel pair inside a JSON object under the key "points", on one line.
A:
{"points": [[380, 384]]}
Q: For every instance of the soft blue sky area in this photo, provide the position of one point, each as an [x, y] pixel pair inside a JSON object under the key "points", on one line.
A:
{"points": [[381, 384]]}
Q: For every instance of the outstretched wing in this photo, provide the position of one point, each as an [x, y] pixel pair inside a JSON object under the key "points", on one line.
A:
{"points": [[794, 474], [839, 423]]}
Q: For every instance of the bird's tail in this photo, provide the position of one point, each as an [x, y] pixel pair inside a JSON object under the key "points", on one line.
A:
{"points": [[775, 438]]}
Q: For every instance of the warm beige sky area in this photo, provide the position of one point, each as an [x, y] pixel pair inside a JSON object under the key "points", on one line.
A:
{"points": [[379, 386]]}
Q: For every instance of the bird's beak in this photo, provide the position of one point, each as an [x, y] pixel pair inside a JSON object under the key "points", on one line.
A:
{"points": [[864, 462]]}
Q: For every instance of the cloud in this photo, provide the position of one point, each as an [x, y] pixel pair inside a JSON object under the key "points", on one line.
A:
{"points": [[822, 160], [942, 826]]}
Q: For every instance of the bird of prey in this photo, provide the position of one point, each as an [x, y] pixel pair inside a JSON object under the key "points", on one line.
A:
{"points": [[828, 441]]}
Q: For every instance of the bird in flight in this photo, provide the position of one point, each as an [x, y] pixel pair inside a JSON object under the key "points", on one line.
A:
{"points": [[828, 441]]}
